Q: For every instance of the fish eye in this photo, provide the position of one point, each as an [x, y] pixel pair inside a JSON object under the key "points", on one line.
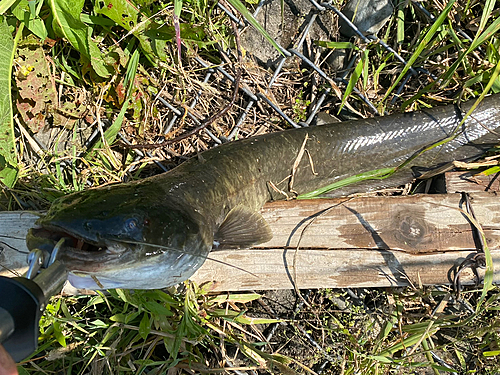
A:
{"points": [[131, 224]]}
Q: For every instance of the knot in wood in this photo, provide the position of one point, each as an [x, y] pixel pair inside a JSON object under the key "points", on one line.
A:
{"points": [[410, 229]]}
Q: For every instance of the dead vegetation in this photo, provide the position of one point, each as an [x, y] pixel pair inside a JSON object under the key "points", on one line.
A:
{"points": [[72, 127]]}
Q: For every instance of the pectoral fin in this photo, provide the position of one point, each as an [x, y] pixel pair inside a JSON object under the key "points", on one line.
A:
{"points": [[243, 227]]}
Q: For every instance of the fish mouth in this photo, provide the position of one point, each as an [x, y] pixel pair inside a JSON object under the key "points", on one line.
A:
{"points": [[76, 252]]}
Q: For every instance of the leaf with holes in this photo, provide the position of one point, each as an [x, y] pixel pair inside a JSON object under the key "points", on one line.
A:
{"points": [[36, 90]]}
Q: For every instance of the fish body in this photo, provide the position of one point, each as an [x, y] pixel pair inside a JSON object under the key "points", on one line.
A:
{"points": [[158, 231]]}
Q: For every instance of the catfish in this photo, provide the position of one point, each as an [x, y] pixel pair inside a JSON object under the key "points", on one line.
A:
{"points": [[157, 232]]}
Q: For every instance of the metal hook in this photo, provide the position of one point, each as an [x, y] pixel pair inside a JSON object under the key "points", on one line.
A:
{"points": [[35, 261]]}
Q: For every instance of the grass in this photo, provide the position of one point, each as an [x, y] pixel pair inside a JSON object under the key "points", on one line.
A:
{"points": [[188, 330], [143, 331]]}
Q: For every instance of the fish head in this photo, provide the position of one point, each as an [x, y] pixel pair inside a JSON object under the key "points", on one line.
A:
{"points": [[124, 236]]}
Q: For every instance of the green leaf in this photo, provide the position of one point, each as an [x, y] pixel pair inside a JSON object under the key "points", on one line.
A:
{"points": [[380, 358], [8, 173], [22, 12], [472, 81], [99, 323], [407, 342], [485, 91], [496, 86], [237, 297], [121, 294], [401, 22], [365, 60], [8, 154], [243, 319], [352, 81], [157, 309], [339, 45], [144, 326], [66, 23], [489, 5], [181, 332], [58, 333], [377, 174], [5, 5], [460, 356], [177, 7], [126, 14], [111, 133], [96, 57], [492, 353], [491, 171], [480, 39]]}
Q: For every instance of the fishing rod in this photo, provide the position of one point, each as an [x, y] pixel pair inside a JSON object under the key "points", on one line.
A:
{"points": [[23, 300]]}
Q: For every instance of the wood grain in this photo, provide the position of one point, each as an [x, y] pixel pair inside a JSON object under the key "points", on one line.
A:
{"points": [[472, 181], [370, 241]]}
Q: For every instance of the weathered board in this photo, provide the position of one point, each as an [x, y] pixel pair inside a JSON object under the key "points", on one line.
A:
{"points": [[472, 181], [369, 241], [13, 251], [374, 241]]}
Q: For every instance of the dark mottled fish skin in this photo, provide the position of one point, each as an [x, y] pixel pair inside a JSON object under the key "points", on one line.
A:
{"points": [[184, 209]]}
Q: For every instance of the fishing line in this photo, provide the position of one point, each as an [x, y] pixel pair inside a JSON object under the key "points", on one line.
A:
{"points": [[12, 237], [189, 253], [12, 247]]}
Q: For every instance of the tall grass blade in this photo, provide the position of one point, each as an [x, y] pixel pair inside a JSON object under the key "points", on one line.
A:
{"points": [[177, 15], [377, 174], [490, 83], [5, 5], [8, 154], [422, 45], [111, 133], [407, 342], [489, 6], [480, 39], [401, 22], [238, 5], [353, 80]]}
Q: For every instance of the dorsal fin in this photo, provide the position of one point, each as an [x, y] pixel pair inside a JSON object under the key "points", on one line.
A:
{"points": [[243, 227]]}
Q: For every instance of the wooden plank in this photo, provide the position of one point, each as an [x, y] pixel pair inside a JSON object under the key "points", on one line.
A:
{"points": [[370, 241], [14, 226], [472, 181], [315, 268], [414, 224]]}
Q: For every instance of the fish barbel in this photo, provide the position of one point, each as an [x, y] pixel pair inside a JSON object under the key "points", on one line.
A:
{"points": [[158, 231]]}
